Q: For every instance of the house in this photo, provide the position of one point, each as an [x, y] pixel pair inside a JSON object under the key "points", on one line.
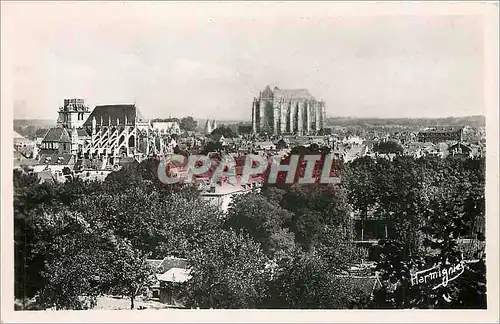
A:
{"points": [[170, 274], [217, 138], [460, 149], [84, 164], [441, 134], [166, 126], [57, 140], [55, 162], [221, 194]]}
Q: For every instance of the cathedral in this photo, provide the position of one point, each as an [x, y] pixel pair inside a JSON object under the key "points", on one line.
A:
{"points": [[107, 133], [287, 111]]}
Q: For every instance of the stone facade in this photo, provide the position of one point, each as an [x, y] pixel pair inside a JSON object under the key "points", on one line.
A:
{"points": [[287, 111]]}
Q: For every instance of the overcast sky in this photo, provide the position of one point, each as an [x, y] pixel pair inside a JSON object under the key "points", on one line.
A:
{"points": [[210, 60]]}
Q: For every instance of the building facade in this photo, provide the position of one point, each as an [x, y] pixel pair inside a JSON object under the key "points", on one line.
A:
{"points": [[167, 126], [73, 113], [441, 134], [210, 126], [117, 131], [287, 111]]}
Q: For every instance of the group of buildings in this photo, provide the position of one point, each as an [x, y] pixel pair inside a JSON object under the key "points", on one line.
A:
{"points": [[91, 143], [98, 139]]}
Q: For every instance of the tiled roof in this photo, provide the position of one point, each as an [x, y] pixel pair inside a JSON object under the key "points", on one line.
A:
{"points": [[171, 262], [57, 134], [292, 94], [460, 146], [88, 164], [114, 112], [365, 284], [442, 129], [165, 120], [174, 275], [53, 159]]}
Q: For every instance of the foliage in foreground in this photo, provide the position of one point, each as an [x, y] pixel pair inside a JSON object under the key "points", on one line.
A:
{"points": [[287, 247]]}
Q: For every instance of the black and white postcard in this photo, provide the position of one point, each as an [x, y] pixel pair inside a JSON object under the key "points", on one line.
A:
{"points": [[249, 161]]}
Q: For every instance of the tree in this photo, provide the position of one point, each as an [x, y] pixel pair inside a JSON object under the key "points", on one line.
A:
{"points": [[398, 190], [66, 171], [307, 282], [211, 147], [397, 290], [225, 131], [229, 271], [188, 123], [264, 221], [315, 206], [73, 273], [448, 196], [131, 272], [389, 147], [29, 196]]}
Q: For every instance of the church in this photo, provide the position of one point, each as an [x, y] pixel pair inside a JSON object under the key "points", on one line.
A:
{"points": [[107, 133], [287, 111]]}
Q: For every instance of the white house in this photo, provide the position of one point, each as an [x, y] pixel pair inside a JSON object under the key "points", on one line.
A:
{"points": [[166, 126], [222, 194]]}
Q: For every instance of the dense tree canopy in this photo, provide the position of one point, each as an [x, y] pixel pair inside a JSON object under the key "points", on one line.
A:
{"points": [[432, 204], [284, 247], [188, 123], [388, 147]]}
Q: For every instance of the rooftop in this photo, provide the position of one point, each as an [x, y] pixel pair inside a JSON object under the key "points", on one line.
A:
{"points": [[57, 134], [441, 129], [53, 159], [287, 94], [115, 114], [167, 263], [174, 275]]}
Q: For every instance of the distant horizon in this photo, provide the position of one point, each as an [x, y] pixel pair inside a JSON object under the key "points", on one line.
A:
{"points": [[249, 120]]}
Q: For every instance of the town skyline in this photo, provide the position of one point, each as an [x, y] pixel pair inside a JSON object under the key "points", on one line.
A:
{"points": [[276, 156], [210, 64]]}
